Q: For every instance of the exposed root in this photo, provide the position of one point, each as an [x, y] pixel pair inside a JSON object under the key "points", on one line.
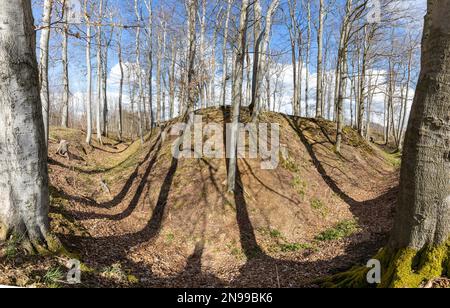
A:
{"points": [[47, 245], [404, 268]]}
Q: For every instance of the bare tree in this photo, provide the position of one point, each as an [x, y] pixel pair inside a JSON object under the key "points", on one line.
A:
{"points": [[65, 63], [43, 64], [319, 95], [225, 54], [238, 72], [89, 74]]}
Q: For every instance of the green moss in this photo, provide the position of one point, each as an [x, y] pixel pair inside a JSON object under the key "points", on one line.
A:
{"points": [[394, 159], [404, 268], [341, 230]]}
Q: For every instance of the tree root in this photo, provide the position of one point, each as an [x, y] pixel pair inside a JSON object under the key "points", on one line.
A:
{"points": [[48, 244], [404, 268]]}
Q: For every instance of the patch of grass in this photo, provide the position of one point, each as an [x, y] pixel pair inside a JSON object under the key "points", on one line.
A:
{"points": [[289, 164], [341, 230], [294, 247], [13, 246], [319, 206], [114, 272], [395, 159], [53, 277], [299, 185], [273, 233], [170, 237]]}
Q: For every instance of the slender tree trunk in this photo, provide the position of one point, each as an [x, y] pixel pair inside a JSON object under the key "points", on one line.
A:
{"points": [[308, 53], [43, 64], [139, 73], [99, 75], [24, 204], [237, 95], [150, 62], [65, 63], [342, 67], [120, 88], [89, 75], [172, 81], [408, 84], [319, 111], [225, 54]]}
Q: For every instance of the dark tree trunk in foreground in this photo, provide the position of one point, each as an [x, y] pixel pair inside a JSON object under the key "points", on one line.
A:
{"points": [[419, 247], [24, 195]]}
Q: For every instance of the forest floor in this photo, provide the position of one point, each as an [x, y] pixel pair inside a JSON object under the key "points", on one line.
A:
{"points": [[136, 217]]}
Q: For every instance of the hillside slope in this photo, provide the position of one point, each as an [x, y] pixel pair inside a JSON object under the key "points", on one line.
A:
{"points": [[138, 217]]}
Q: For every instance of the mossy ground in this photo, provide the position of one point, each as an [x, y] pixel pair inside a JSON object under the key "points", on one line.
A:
{"points": [[404, 268]]}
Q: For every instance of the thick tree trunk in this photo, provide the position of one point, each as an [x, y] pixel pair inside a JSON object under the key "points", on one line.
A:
{"points": [[424, 206], [24, 201], [43, 64], [419, 248]]}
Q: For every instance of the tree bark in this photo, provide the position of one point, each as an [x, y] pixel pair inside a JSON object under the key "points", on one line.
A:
{"points": [[24, 204], [319, 98], [43, 64], [225, 54], [65, 63], [238, 72], [89, 75], [99, 75]]}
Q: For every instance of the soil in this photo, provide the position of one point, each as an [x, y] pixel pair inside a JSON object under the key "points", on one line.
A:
{"points": [[136, 217]]}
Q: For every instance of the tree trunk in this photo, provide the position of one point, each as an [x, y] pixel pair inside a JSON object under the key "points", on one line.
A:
{"points": [[43, 64], [99, 75], [319, 98], [120, 88], [89, 76], [225, 54], [419, 248], [172, 78], [238, 72], [65, 63], [139, 73], [150, 62], [308, 53], [24, 204]]}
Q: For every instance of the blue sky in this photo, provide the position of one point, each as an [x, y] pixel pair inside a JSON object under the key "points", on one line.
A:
{"points": [[175, 9]]}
